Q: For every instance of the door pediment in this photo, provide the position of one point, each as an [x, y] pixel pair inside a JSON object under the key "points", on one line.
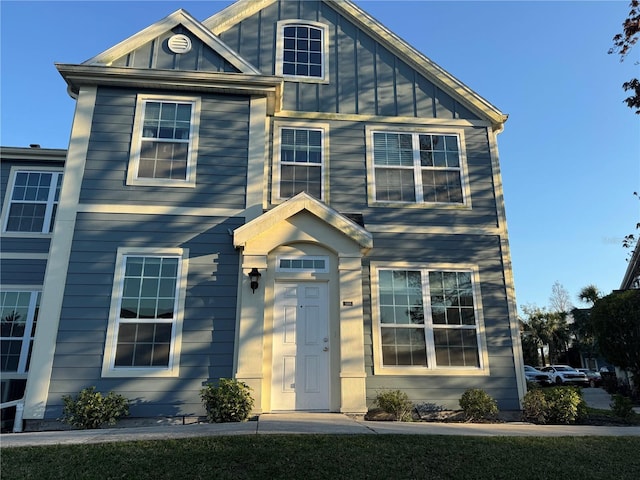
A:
{"points": [[302, 218]]}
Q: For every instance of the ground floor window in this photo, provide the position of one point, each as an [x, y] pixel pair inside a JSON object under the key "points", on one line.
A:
{"points": [[146, 311], [18, 318], [427, 318]]}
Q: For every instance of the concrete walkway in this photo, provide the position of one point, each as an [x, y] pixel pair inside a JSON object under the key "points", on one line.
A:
{"points": [[320, 424]]}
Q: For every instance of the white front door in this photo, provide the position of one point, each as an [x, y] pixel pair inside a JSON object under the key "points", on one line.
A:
{"points": [[300, 378]]}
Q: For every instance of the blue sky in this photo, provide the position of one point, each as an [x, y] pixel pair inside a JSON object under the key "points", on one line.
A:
{"points": [[570, 151]]}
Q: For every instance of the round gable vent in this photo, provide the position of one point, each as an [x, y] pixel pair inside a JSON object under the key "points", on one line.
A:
{"points": [[179, 44]]}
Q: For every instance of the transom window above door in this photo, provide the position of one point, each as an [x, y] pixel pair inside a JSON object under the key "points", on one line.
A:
{"points": [[164, 143], [417, 168]]}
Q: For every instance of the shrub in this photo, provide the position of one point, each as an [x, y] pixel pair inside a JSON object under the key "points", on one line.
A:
{"points": [[396, 403], [535, 407], [478, 405], [90, 409], [557, 405], [230, 401], [622, 406]]}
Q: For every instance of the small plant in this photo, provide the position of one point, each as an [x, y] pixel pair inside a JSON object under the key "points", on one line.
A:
{"points": [[478, 405], [396, 403], [90, 409], [535, 407], [230, 401], [622, 406], [557, 405]]}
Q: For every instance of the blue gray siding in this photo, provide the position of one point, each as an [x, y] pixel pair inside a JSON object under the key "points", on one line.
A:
{"points": [[209, 321], [156, 54], [365, 77]]}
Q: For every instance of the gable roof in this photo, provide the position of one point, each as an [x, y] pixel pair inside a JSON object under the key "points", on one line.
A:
{"points": [[243, 9], [179, 17], [303, 202]]}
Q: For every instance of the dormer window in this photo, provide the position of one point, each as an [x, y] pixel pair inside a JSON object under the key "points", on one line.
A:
{"points": [[302, 50]]}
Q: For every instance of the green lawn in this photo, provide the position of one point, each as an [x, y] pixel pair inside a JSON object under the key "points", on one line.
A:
{"points": [[310, 457]]}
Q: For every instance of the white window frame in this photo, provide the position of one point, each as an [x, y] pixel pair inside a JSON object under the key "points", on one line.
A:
{"points": [[302, 269], [172, 370], [417, 169], [27, 339], [277, 163], [324, 78], [432, 368], [47, 226], [137, 138]]}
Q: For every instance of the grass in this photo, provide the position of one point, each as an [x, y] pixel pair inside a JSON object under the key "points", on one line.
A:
{"points": [[332, 457]]}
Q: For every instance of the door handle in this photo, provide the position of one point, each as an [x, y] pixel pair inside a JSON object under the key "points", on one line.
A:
{"points": [[325, 349]]}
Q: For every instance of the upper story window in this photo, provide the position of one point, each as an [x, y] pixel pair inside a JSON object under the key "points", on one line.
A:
{"points": [[414, 167], [302, 50], [165, 142], [33, 201], [299, 161]]}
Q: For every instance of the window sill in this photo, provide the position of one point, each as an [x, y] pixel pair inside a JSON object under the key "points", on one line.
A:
{"points": [[427, 372], [139, 372]]}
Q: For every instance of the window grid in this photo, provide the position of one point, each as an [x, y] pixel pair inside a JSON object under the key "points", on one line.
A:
{"points": [[166, 140], [18, 319], [34, 201], [147, 311], [417, 168], [301, 162], [302, 51], [427, 319]]}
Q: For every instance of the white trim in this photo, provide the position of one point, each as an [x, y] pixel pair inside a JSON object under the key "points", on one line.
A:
{"points": [[158, 210], [173, 368], [136, 142], [37, 389], [24, 255], [279, 58], [323, 128], [432, 368], [6, 206], [415, 131], [435, 230], [324, 258]]}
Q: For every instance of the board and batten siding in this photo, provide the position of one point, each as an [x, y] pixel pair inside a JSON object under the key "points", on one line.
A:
{"points": [[156, 54], [208, 330], [364, 76], [440, 388], [221, 168]]}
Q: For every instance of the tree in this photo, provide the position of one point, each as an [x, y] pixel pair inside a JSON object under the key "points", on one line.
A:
{"points": [[547, 329], [589, 294], [622, 44], [560, 300], [581, 328], [616, 326]]}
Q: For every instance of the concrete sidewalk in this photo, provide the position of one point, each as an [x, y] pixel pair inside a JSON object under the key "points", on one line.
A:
{"points": [[322, 424], [306, 423]]}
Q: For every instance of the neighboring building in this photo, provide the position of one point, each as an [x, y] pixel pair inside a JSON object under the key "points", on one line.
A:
{"points": [[300, 140], [631, 277]]}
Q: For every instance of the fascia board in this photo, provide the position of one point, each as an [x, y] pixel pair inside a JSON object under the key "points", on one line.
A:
{"points": [[179, 17], [234, 14], [297, 204], [632, 269], [23, 154], [215, 82]]}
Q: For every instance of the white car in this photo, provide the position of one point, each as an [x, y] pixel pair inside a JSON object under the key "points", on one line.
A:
{"points": [[532, 374], [564, 374]]}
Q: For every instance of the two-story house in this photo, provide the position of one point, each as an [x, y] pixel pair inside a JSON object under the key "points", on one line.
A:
{"points": [[285, 193]]}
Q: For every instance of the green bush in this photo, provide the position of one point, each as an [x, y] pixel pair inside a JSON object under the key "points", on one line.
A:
{"points": [[90, 409], [230, 401], [396, 403], [535, 407], [478, 405], [622, 406], [557, 405]]}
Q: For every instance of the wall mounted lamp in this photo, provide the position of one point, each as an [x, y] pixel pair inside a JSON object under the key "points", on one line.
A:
{"points": [[254, 276]]}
